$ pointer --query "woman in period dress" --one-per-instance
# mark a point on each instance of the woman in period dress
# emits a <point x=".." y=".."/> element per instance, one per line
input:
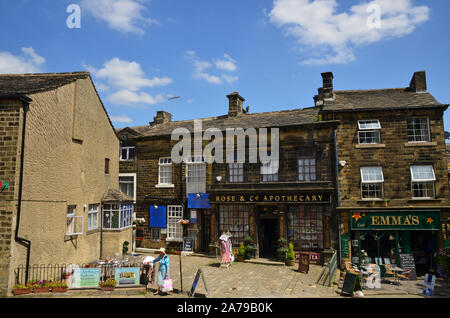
<point x="163" y="270"/>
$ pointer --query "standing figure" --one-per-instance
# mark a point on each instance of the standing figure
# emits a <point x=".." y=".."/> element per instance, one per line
<point x="225" y="249"/>
<point x="163" y="269"/>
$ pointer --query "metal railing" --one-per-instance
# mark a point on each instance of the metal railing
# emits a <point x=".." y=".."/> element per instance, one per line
<point x="61" y="272"/>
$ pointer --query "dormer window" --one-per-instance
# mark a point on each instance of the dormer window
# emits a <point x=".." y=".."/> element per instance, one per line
<point x="369" y="131"/>
<point x="127" y="153"/>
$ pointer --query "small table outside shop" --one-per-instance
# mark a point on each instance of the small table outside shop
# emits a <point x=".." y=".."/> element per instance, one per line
<point x="396" y="270"/>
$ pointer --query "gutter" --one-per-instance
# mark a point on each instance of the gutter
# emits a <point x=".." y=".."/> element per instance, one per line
<point x="338" y="201"/>
<point x="22" y="241"/>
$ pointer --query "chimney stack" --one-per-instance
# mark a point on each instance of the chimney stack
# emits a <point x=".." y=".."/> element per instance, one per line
<point x="326" y="91"/>
<point x="235" y="102"/>
<point x="161" y="117"/>
<point x="418" y="82"/>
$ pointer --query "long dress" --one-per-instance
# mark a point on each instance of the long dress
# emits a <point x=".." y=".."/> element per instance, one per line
<point x="225" y="251"/>
<point x="164" y="266"/>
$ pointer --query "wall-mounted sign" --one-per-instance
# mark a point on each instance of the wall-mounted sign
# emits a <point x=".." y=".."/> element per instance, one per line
<point x="158" y="216"/>
<point x="401" y="220"/>
<point x="193" y="218"/>
<point x="85" y="277"/>
<point x="345" y="247"/>
<point x="127" y="275"/>
<point x="272" y="198"/>
<point x="314" y="258"/>
<point x="198" y="201"/>
<point x="4" y="185"/>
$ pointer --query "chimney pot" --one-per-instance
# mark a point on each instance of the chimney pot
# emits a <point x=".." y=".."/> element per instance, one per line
<point x="161" y="117"/>
<point x="327" y="78"/>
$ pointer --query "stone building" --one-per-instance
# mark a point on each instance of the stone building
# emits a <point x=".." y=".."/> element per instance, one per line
<point x="393" y="185"/>
<point x="59" y="160"/>
<point x="247" y="199"/>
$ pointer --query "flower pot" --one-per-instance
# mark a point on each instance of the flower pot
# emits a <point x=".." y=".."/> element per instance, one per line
<point x="139" y="233"/>
<point x="290" y="262"/>
<point x="38" y="290"/>
<point x="59" y="289"/>
<point x="107" y="288"/>
<point x="19" y="291"/>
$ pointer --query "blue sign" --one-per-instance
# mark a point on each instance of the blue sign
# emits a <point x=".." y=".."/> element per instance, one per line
<point x="199" y="201"/>
<point x="158" y="217"/>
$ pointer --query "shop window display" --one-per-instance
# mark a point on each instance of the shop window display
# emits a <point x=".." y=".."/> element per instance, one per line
<point x="235" y="219"/>
<point x="305" y="227"/>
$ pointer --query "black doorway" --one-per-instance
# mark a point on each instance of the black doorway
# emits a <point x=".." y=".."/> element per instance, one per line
<point x="269" y="239"/>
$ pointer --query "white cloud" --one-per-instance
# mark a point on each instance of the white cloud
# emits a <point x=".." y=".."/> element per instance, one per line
<point x="127" y="80"/>
<point x="127" y="98"/>
<point x="28" y="62"/>
<point x="121" y="119"/>
<point x="316" y="24"/>
<point x="203" y="69"/>
<point x="126" y="16"/>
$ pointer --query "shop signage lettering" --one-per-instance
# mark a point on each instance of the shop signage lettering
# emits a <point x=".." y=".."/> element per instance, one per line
<point x="284" y="198"/>
<point x="418" y="220"/>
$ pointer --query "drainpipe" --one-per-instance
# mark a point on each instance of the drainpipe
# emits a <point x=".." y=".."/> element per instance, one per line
<point x="338" y="201"/>
<point x="22" y="241"/>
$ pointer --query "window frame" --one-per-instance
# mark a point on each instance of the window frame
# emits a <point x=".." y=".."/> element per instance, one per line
<point x="235" y="177"/>
<point x="193" y="163"/>
<point x="307" y="154"/>
<point x="121" y="211"/>
<point x="368" y="183"/>
<point x="90" y="213"/>
<point x="414" y="136"/>
<point x="73" y="216"/>
<point x="134" y="175"/>
<point x="268" y="177"/>
<point x="107" y="165"/>
<point x="422" y="182"/>
<point x="376" y="130"/>
<point x="174" y="215"/>
<point x="168" y="165"/>
<point x="127" y="148"/>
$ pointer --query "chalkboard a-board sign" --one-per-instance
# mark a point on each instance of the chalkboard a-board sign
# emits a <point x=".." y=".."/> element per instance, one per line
<point x="188" y="244"/>
<point x="303" y="263"/>
<point x="195" y="283"/>
<point x="407" y="263"/>
<point x="352" y="283"/>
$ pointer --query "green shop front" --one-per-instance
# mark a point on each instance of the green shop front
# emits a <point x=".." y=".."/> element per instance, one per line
<point x="381" y="236"/>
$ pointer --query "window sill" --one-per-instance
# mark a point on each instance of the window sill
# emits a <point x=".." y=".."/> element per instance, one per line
<point x="424" y="199"/>
<point x="165" y="186"/>
<point x="118" y="230"/>
<point x="126" y="160"/>
<point x="421" y="144"/>
<point x="174" y="240"/>
<point x="369" y="146"/>
<point x="89" y="232"/>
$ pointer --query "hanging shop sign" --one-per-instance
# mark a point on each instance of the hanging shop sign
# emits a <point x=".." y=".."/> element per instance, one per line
<point x="127" y="275"/>
<point x="272" y="198"/>
<point x="401" y="220"/>
<point x="198" y="201"/>
<point x="4" y="186"/>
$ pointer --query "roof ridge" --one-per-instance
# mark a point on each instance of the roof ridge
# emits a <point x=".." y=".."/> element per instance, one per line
<point x="47" y="74"/>
<point x="371" y="90"/>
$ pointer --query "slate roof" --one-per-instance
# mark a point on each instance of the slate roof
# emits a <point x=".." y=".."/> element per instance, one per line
<point x="255" y="120"/>
<point x="116" y="196"/>
<point x="14" y="84"/>
<point x="380" y="99"/>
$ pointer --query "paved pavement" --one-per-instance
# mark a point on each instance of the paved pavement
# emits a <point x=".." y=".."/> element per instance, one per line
<point x="249" y="280"/>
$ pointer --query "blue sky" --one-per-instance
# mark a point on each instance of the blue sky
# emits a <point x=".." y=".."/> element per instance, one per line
<point x="143" y="52"/>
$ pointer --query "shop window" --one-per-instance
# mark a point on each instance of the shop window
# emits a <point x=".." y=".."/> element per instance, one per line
<point x="93" y="217"/>
<point x="269" y="171"/>
<point x="369" y="132"/>
<point x="174" y="228"/>
<point x="372" y="181"/>
<point x="127" y="184"/>
<point x="422" y="182"/>
<point x="306" y="165"/>
<point x="165" y="171"/>
<point x="195" y="175"/>
<point x="236" y="172"/>
<point x="74" y="224"/>
<point x="117" y="216"/>
<point x="127" y="153"/>
<point x="235" y="219"/>
<point x="305" y="227"/>
<point x="418" y="130"/>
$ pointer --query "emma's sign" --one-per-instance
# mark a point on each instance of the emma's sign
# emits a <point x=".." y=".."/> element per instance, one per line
<point x="412" y="220"/>
<point x="273" y="198"/>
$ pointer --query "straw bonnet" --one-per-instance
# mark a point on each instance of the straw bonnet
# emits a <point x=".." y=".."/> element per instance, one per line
<point x="162" y="249"/>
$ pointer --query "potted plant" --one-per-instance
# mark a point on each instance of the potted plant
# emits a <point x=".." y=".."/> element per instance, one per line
<point x="249" y="248"/>
<point x="21" y="289"/>
<point x="108" y="285"/>
<point x="59" y="287"/>
<point x="42" y="286"/>
<point x="290" y="256"/>
<point x="242" y="253"/>
<point x="282" y="250"/>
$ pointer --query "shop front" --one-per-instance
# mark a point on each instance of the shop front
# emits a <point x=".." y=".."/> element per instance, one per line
<point x="381" y="236"/>
<point x="302" y="218"/>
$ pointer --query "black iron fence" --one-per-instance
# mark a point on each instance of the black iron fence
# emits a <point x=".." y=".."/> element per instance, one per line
<point x="63" y="272"/>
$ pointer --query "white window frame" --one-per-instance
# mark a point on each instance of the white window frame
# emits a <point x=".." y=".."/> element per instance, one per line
<point x="91" y="212"/>
<point x="428" y="127"/>
<point x="165" y="162"/>
<point x="71" y="218"/>
<point x="193" y="163"/>
<point x="423" y="181"/>
<point x="121" y="212"/>
<point x="236" y="172"/>
<point x="369" y="182"/>
<point x="134" y="182"/>
<point x="127" y="148"/>
<point x="373" y="129"/>
<point x="174" y="228"/>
